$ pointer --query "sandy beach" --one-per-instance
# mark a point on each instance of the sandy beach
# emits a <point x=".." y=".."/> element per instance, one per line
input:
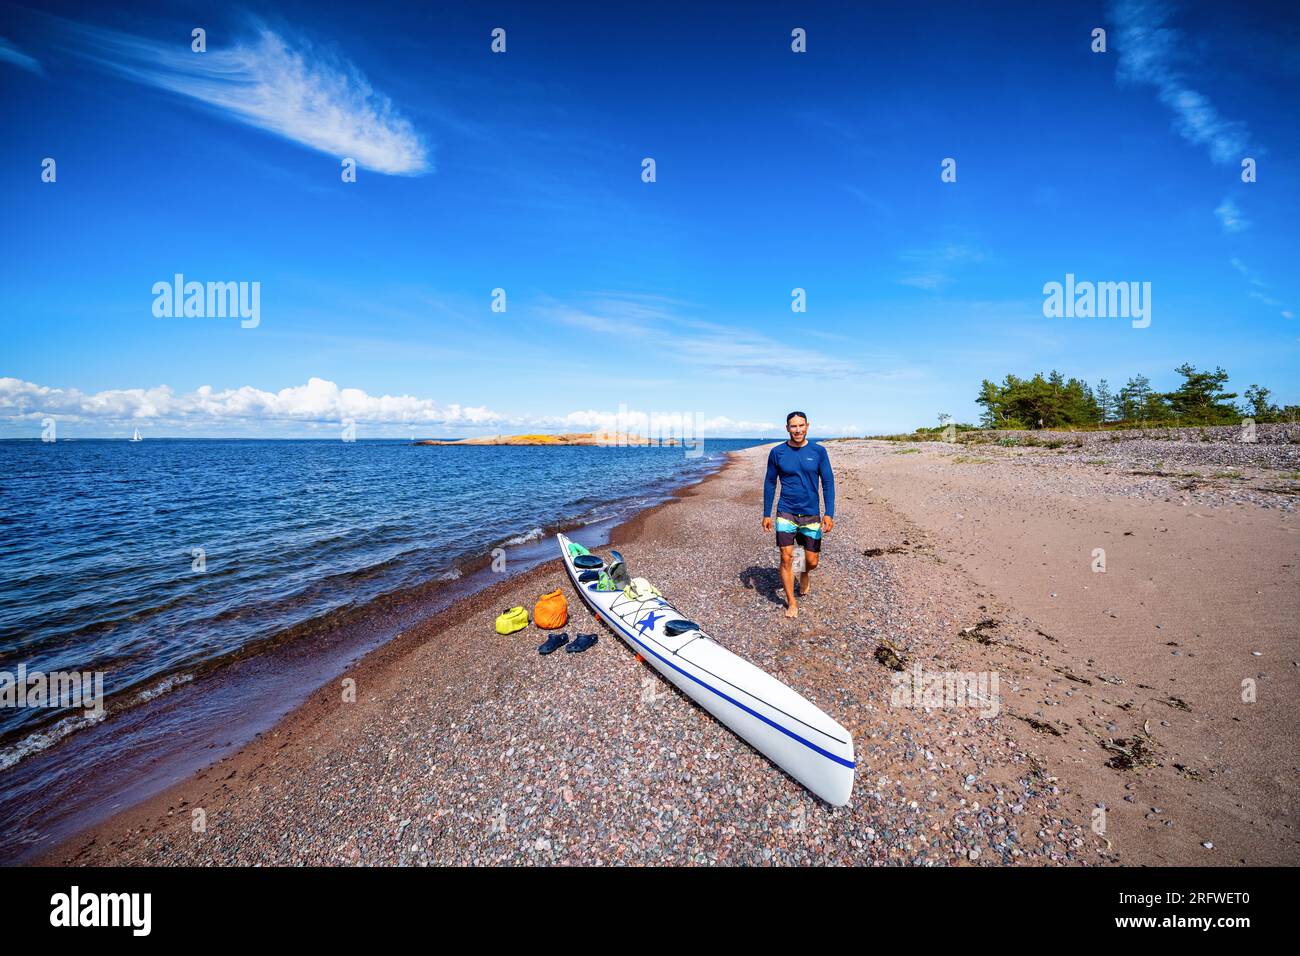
<point x="1120" y="736"/>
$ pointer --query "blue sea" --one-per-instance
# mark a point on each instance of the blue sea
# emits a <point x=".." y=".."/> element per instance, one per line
<point x="160" y="563"/>
<point x="152" y="559"/>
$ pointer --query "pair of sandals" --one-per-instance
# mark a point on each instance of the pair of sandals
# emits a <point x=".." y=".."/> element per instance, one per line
<point x="556" y="641"/>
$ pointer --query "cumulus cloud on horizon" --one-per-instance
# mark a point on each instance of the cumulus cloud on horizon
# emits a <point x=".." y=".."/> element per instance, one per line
<point x="318" y="401"/>
<point x="323" y="403"/>
<point x="280" y="84"/>
<point x="1149" y="53"/>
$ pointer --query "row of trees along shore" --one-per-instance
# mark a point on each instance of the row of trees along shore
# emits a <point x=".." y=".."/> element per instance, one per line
<point x="1055" y="402"/>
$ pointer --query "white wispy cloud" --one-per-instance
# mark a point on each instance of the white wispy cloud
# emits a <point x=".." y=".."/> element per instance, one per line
<point x="284" y="85"/>
<point x="930" y="281"/>
<point x="1246" y="271"/>
<point x="1230" y="216"/>
<point x="866" y="198"/>
<point x="595" y="319"/>
<point x="717" y="348"/>
<point x="654" y="423"/>
<point x="931" y="267"/>
<point x="1149" y="54"/>
<point x="658" y="322"/>
<point x="11" y="54"/>
<point x="1259" y="286"/>
<point x="625" y="313"/>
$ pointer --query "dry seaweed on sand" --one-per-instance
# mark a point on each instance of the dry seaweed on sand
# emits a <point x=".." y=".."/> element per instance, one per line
<point x="978" y="632"/>
<point x="891" y="656"/>
<point x="1070" y="675"/>
<point x="1042" y="726"/>
<point x="1131" y="753"/>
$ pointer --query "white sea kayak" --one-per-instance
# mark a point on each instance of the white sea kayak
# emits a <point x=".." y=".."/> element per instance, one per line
<point x="783" y="726"/>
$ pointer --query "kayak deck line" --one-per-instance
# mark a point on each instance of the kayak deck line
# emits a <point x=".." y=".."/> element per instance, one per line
<point x="678" y="653"/>
<point x="753" y="713"/>
<point x="787" y="761"/>
<point x="735" y="687"/>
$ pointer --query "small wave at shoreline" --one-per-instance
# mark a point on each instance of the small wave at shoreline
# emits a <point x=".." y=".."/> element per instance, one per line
<point x="534" y="535"/>
<point x="47" y="736"/>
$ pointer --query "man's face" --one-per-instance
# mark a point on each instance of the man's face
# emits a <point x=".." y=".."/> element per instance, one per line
<point x="798" y="429"/>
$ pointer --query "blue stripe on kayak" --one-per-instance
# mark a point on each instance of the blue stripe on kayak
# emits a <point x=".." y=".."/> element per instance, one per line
<point x="852" y="765"/>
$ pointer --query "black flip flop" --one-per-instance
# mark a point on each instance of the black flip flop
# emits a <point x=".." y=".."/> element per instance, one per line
<point x="581" y="643"/>
<point x="553" y="643"/>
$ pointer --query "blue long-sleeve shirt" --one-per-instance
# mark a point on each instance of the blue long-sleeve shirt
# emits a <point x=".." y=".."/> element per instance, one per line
<point x="799" y="470"/>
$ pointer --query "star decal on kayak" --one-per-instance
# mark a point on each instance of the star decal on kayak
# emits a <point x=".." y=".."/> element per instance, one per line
<point x="648" y="622"/>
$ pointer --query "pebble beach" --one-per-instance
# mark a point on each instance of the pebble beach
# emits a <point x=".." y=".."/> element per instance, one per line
<point x="1119" y="735"/>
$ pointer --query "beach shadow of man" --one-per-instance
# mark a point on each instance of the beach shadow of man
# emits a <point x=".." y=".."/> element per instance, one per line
<point x="766" y="581"/>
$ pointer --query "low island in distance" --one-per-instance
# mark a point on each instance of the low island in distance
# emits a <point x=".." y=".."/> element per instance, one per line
<point x="611" y="439"/>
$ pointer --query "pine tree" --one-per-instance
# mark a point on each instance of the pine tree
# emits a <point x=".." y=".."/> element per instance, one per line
<point x="1134" y="398"/>
<point x="1200" y="399"/>
<point x="1105" y="401"/>
<point x="1260" y="408"/>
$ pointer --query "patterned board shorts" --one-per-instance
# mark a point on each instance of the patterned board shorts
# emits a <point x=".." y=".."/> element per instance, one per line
<point x="803" y="530"/>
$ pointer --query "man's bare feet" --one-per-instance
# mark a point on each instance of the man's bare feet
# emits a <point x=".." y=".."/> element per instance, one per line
<point x="792" y="610"/>
<point x="805" y="584"/>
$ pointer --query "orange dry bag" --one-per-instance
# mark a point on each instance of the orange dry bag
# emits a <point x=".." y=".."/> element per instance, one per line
<point x="552" y="611"/>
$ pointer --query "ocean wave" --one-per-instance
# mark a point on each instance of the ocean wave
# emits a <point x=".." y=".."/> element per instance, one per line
<point x="160" y="688"/>
<point x="533" y="535"/>
<point x="47" y="737"/>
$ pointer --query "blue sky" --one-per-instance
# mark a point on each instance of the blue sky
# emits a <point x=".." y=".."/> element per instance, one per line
<point x="521" y="170"/>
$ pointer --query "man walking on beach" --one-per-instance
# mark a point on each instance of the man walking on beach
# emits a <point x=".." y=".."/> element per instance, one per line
<point x="799" y="464"/>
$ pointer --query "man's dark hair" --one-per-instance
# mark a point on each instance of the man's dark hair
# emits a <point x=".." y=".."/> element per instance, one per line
<point x="795" y="415"/>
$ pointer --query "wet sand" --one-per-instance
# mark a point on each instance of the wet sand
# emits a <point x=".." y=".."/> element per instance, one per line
<point x="464" y="746"/>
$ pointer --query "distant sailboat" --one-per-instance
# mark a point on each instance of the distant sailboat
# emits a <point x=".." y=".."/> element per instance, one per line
<point x="136" y="436"/>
